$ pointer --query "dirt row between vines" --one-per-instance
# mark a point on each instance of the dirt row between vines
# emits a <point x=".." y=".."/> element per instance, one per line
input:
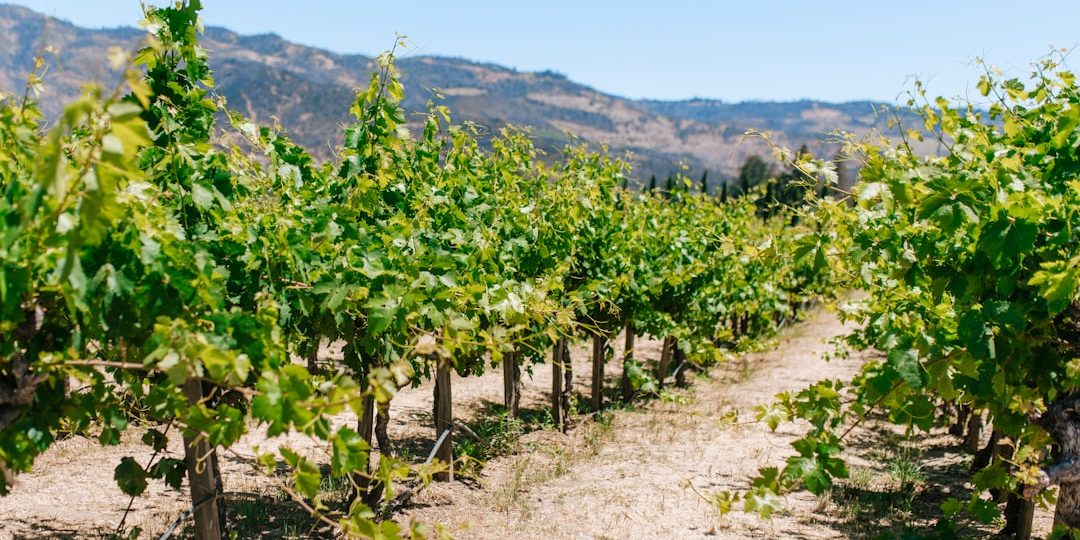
<point x="641" y="472"/>
<point x="644" y="474"/>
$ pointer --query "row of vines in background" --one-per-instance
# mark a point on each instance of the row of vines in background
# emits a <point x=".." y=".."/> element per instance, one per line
<point x="970" y="263"/>
<point x="153" y="271"/>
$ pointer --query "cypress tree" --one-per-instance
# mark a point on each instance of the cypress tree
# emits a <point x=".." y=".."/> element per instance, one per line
<point x="705" y="182"/>
<point x="754" y="171"/>
<point x="652" y="184"/>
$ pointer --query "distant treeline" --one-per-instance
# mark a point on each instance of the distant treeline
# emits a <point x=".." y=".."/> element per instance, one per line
<point x="771" y="183"/>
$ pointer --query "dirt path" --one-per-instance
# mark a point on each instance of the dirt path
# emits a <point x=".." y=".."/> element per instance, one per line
<point x="632" y="478"/>
<point x="633" y="474"/>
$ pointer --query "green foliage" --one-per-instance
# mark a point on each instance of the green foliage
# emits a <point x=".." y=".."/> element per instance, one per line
<point x="753" y="172"/>
<point x="139" y="252"/>
<point x="969" y="262"/>
<point x="130" y="477"/>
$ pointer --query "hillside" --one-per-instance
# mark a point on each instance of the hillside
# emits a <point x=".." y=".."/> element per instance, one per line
<point x="309" y="90"/>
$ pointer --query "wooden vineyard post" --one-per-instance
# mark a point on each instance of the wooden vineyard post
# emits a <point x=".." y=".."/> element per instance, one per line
<point x="974" y="432"/>
<point x="365" y="424"/>
<point x="599" y="351"/>
<point x="1025" y="519"/>
<point x="1019" y="517"/>
<point x="444" y="417"/>
<point x="202" y="476"/>
<point x="219" y="488"/>
<point x="628" y="358"/>
<point x="511" y="383"/>
<point x="665" y="362"/>
<point x="680" y="366"/>
<point x="556" y="385"/>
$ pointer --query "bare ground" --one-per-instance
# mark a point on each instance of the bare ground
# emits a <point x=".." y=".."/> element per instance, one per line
<point x="633" y="473"/>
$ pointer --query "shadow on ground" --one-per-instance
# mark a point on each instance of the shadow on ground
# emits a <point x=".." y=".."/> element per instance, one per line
<point x="898" y="485"/>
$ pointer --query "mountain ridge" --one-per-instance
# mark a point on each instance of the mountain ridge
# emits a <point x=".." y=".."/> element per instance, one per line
<point x="309" y="90"/>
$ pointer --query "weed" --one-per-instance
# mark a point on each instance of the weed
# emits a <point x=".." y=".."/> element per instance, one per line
<point x="860" y="478"/>
<point x="508" y="495"/>
<point x="333" y="489"/>
<point x="906" y="468"/>
<point x="598" y="431"/>
<point x="488" y="437"/>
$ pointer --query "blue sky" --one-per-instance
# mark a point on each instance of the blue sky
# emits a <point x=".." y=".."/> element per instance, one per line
<point x="672" y="49"/>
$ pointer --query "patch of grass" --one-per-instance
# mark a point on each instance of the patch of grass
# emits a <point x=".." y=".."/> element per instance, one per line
<point x="508" y="495"/>
<point x="860" y="477"/>
<point x="335" y="491"/>
<point x="270" y="515"/>
<point x="906" y="469"/>
<point x="597" y="432"/>
<point x="490" y="436"/>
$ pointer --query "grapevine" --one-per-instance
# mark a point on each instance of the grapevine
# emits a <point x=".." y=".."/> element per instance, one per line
<point x="178" y="275"/>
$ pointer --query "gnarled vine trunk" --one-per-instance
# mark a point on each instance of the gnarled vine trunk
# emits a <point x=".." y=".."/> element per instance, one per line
<point x="382" y="421"/>
<point x="18" y="383"/>
<point x="204" y="478"/>
<point x="444" y="418"/>
<point x="599" y="355"/>
<point x="368" y="490"/>
<point x="1062" y="421"/>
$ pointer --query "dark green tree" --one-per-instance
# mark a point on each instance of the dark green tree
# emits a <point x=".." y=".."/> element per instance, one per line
<point x="787" y="189"/>
<point x="652" y="184"/>
<point x="753" y="172"/>
<point x="705" y="182"/>
<point x="669" y="186"/>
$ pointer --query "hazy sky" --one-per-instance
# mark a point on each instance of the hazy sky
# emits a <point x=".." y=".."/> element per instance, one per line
<point x="671" y="49"/>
